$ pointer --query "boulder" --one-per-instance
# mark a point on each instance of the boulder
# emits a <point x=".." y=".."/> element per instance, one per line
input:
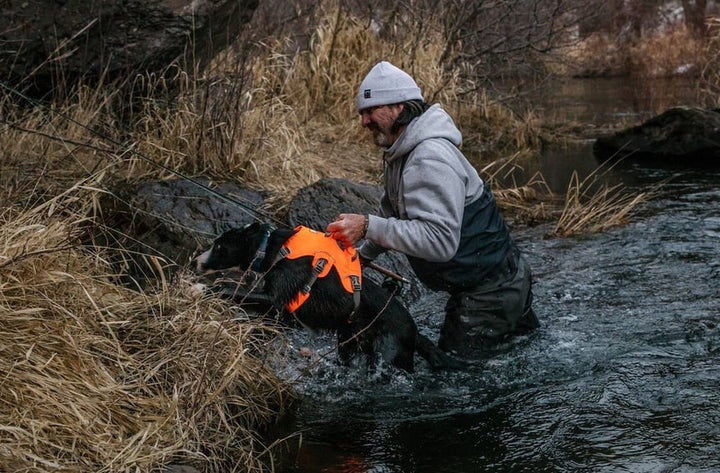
<point x="321" y="202"/>
<point x="164" y="224"/>
<point x="42" y="40"/>
<point x="679" y="136"/>
<point x="189" y="216"/>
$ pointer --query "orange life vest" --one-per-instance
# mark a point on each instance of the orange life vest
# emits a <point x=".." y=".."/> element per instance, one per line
<point x="327" y="253"/>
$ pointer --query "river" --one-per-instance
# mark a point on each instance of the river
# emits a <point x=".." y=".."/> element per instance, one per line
<point x="623" y="375"/>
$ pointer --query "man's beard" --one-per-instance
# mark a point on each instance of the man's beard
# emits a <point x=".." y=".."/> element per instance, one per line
<point x="380" y="138"/>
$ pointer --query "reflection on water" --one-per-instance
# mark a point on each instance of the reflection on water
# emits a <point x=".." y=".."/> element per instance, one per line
<point x="606" y="102"/>
<point x="623" y="375"/>
<point x="594" y="106"/>
<point x="556" y="165"/>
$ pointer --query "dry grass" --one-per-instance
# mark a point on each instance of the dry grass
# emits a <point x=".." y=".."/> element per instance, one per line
<point x="665" y="54"/>
<point x="495" y="130"/>
<point x="528" y="204"/>
<point x="97" y="377"/>
<point x="662" y="53"/>
<point x="710" y="69"/>
<point x="284" y="117"/>
<point x="592" y="206"/>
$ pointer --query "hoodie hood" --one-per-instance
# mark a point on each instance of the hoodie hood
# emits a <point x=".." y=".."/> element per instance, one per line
<point x="434" y="123"/>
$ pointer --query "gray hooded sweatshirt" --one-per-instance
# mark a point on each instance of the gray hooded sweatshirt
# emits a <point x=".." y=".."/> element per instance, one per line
<point x="436" y="209"/>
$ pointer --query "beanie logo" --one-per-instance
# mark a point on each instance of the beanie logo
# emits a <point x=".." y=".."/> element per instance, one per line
<point x="367" y="93"/>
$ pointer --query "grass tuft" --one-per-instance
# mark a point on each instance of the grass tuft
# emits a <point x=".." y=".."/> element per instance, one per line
<point x="592" y="206"/>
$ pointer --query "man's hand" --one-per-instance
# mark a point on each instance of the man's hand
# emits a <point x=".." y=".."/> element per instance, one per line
<point x="348" y="228"/>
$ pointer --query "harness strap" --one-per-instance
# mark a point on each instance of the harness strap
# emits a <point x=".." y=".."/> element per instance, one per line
<point x="304" y="293"/>
<point x="260" y="254"/>
<point x="284" y="251"/>
<point x="357" y="286"/>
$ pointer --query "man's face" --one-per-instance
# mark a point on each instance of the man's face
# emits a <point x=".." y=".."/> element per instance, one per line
<point x="379" y="121"/>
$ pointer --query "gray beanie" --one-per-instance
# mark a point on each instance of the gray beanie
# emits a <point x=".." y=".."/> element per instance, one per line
<point x="385" y="84"/>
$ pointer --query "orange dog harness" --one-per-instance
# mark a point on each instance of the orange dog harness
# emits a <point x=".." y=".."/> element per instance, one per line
<point x="327" y="253"/>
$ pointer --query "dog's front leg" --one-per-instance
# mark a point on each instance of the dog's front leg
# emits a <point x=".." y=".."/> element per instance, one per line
<point x="348" y="345"/>
<point x="252" y="297"/>
<point x="245" y="295"/>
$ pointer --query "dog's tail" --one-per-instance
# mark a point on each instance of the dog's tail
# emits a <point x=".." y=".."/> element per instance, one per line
<point x="438" y="359"/>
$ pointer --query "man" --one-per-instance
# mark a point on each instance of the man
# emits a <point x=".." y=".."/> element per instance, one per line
<point x="436" y="210"/>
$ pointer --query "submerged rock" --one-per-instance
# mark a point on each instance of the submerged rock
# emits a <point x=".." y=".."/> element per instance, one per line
<point x="685" y="136"/>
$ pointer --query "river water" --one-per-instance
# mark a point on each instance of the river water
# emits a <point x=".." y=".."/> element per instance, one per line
<point x="623" y="375"/>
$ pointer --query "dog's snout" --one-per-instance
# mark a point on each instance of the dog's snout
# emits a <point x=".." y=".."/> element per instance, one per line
<point x="201" y="261"/>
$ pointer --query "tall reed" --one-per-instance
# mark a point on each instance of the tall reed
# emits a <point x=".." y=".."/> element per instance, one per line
<point x="592" y="206"/>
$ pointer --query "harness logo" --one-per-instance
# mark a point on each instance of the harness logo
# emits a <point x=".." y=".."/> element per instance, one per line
<point x="367" y="93"/>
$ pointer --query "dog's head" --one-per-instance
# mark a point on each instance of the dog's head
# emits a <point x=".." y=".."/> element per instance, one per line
<point x="237" y="247"/>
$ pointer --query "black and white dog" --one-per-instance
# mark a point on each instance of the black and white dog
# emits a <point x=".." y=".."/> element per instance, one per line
<point x="378" y="325"/>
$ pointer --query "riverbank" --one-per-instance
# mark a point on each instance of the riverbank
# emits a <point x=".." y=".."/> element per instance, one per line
<point x="101" y="377"/>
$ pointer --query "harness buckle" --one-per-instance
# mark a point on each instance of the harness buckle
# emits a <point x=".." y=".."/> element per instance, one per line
<point x="355" y="280"/>
<point x="320" y="265"/>
<point x="317" y="269"/>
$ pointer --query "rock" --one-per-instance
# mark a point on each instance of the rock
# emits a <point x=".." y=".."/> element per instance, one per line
<point x="170" y="221"/>
<point x="320" y="203"/>
<point x="679" y="136"/>
<point x="41" y="40"/>
<point x="189" y="216"/>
